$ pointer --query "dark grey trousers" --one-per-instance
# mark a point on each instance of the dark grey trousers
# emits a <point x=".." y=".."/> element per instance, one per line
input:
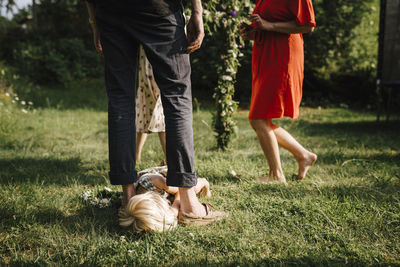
<point x="164" y="41"/>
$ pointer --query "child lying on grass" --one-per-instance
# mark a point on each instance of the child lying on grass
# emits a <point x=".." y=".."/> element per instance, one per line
<point x="151" y="209"/>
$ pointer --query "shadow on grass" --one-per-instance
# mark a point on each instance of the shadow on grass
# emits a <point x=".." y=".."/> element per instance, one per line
<point x="379" y="190"/>
<point x="49" y="171"/>
<point x="311" y="260"/>
<point x="353" y="129"/>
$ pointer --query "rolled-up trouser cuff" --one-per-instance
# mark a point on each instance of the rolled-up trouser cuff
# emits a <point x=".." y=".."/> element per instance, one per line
<point x="123" y="178"/>
<point x="181" y="179"/>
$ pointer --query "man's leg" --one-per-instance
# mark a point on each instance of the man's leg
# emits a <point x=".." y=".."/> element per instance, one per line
<point x="120" y="55"/>
<point x="165" y="43"/>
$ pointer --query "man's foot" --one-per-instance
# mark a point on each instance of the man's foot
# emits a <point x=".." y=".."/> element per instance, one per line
<point x="305" y="164"/>
<point x="128" y="191"/>
<point x="270" y="179"/>
<point x="190" y="203"/>
<point x="211" y="215"/>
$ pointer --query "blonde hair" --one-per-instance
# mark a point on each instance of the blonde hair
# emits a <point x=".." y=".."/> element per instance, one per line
<point x="148" y="212"/>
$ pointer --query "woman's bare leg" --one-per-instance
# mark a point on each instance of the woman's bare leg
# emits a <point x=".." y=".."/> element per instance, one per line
<point x="161" y="136"/>
<point x="269" y="145"/>
<point x="304" y="157"/>
<point x="140" y="139"/>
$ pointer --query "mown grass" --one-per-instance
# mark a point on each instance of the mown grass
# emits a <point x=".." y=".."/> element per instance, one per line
<point x="347" y="211"/>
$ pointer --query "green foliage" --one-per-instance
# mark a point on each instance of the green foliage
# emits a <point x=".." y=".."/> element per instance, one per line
<point x="221" y="21"/>
<point x="57" y="61"/>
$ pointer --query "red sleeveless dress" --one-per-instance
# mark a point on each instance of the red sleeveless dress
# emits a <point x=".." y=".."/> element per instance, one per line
<point x="278" y="60"/>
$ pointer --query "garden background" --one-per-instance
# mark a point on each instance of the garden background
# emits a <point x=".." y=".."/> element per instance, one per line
<point x="53" y="148"/>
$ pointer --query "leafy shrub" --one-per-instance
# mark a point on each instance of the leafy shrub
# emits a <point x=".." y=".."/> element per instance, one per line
<point x="58" y="61"/>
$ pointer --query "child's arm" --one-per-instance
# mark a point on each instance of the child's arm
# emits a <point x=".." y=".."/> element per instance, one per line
<point x="159" y="181"/>
<point x="203" y="187"/>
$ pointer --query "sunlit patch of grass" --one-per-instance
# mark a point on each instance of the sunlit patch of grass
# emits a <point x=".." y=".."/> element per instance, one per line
<point x="345" y="211"/>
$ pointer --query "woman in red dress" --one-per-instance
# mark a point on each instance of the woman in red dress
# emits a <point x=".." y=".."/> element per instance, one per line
<point x="277" y="77"/>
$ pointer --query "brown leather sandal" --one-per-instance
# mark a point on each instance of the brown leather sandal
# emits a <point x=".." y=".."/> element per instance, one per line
<point x="212" y="215"/>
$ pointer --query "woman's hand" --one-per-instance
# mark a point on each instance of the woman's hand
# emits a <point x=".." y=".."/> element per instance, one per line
<point x="245" y="33"/>
<point x="263" y="24"/>
<point x="96" y="39"/>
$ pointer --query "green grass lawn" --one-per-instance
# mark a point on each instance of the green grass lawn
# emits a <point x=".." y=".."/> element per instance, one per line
<point x="347" y="211"/>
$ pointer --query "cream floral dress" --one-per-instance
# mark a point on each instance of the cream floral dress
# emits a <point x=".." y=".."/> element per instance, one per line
<point x="149" y="110"/>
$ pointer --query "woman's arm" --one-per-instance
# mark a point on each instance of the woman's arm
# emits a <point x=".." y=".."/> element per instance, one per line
<point x="282" y="27"/>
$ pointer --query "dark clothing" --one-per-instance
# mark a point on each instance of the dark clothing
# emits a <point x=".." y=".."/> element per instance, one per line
<point x="132" y="7"/>
<point x="164" y="41"/>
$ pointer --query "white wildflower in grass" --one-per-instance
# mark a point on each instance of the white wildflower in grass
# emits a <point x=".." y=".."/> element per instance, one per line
<point x="30" y="103"/>
<point x="3" y="72"/>
<point x="122" y="238"/>
<point x="16" y="98"/>
<point x="223" y="91"/>
<point x="23" y="103"/>
<point x="234" y="174"/>
<point x="223" y="113"/>
<point x="105" y="202"/>
<point x="24" y="111"/>
<point x="13" y="101"/>
<point x="240" y="55"/>
<point x="7" y="94"/>
<point x="85" y="196"/>
<point x="95" y="201"/>
<point x="191" y="235"/>
<point x="107" y="189"/>
<point x="130" y="251"/>
<point x="220" y="101"/>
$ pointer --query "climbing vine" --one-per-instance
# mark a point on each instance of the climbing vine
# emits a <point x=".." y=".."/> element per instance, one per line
<point x="224" y="18"/>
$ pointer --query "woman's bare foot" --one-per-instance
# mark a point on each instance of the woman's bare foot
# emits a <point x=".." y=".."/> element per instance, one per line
<point x="305" y="164"/>
<point x="270" y="179"/>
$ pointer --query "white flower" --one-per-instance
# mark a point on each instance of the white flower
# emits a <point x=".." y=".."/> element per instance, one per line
<point x="95" y="201"/>
<point x="23" y="102"/>
<point x="122" y="238"/>
<point x="220" y="101"/>
<point x="16" y="98"/>
<point x="223" y="113"/>
<point x="107" y="189"/>
<point x="230" y="70"/>
<point x="240" y="55"/>
<point x="3" y="72"/>
<point x="24" y="111"/>
<point x="130" y="251"/>
<point x="214" y="95"/>
<point x="223" y="91"/>
<point x="13" y="101"/>
<point x="234" y="174"/>
<point x="7" y="94"/>
<point x="30" y="103"/>
<point x="191" y="235"/>
<point x="104" y="203"/>
<point x="227" y="78"/>
<point x="85" y="196"/>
